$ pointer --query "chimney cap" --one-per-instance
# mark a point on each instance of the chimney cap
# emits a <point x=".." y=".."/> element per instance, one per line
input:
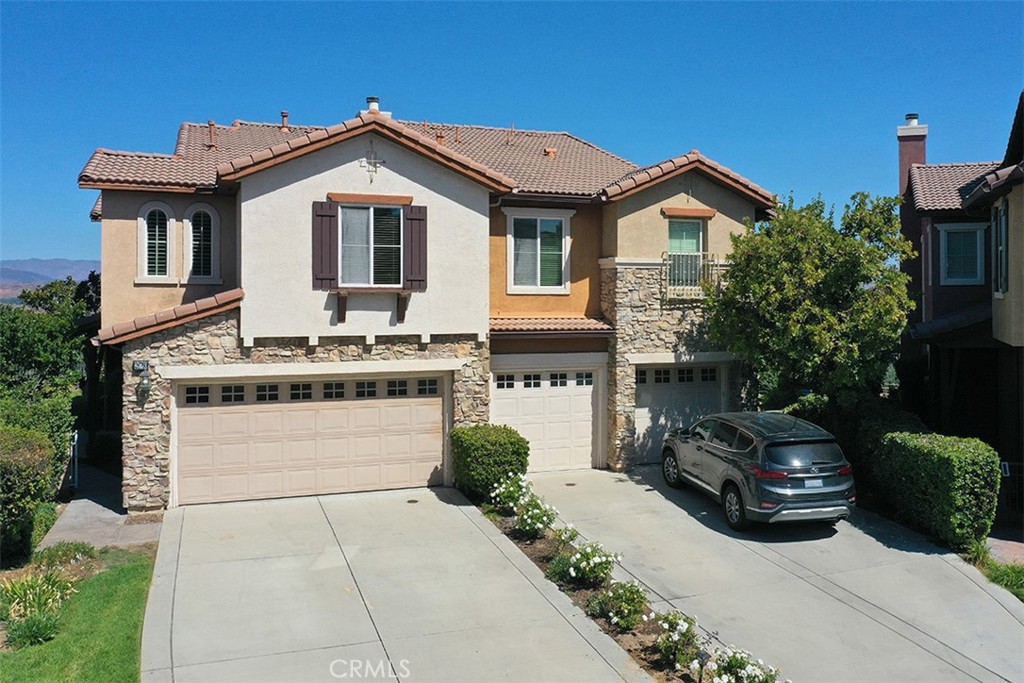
<point x="912" y="118"/>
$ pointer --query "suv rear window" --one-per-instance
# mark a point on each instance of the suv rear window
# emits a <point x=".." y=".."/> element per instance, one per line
<point x="804" y="454"/>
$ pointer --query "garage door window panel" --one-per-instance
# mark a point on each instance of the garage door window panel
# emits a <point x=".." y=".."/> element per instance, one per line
<point x="584" y="379"/>
<point x="267" y="393"/>
<point x="398" y="387"/>
<point x="232" y="393"/>
<point x="300" y="392"/>
<point x="709" y="374"/>
<point x="426" y="387"/>
<point x="506" y="381"/>
<point x="531" y="381"/>
<point x="197" y="395"/>
<point x="366" y="389"/>
<point x="334" y="390"/>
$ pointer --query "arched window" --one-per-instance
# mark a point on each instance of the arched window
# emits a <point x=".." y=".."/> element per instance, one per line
<point x="156" y="240"/>
<point x="202" y="231"/>
<point x="156" y="243"/>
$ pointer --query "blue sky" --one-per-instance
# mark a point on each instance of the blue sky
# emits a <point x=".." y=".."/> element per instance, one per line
<point x="801" y="98"/>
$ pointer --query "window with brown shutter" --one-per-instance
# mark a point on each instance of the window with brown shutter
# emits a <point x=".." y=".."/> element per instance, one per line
<point x="415" y="254"/>
<point x="325" y="245"/>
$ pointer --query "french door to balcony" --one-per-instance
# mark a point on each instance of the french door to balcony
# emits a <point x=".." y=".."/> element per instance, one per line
<point x="685" y="246"/>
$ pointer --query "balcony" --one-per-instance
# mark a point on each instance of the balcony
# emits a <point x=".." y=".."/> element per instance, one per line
<point x="684" y="274"/>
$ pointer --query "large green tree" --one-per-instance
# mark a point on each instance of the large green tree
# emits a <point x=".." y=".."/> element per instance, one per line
<point x="811" y="305"/>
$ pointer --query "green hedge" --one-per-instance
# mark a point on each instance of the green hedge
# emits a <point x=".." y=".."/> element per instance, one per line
<point x="25" y="481"/>
<point x="484" y="454"/>
<point x="52" y="416"/>
<point x="944" y="485"/>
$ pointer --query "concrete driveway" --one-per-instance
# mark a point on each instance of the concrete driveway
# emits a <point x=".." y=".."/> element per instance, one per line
<point x="866" y="601"/>
<point x="400" y="585"/>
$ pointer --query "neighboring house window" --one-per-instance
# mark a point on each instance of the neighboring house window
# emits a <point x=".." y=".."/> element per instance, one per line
<point x="426" y="387"/>
<point x="538" y="250"/>
<point x="962" y="253"/>
<point x="685" y="244"/>
<point x="202" y="230"/>
<point x="1000" y="248"/>
<point x="156" y="242"/>
<point x="371" y="246"/>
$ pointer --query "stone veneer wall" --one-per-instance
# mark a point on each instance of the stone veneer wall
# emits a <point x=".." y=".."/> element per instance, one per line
<point x="146" y="435"/>
<point x="632" y="299"/>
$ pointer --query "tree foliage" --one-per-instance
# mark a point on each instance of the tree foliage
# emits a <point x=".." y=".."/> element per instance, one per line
<point x="813" y="306"/>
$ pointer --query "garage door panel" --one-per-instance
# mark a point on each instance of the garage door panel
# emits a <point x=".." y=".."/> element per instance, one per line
<point x="239" y="452"/>
<point x="670" y="405"/>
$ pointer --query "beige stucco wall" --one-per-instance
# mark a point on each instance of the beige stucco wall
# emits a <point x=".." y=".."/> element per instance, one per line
<point x="584" y="297"/>
<point x="1008" y="310"/>
<point x="642" y="232"/>
<point x="276" y="246"/>
<point x="124" y="296"/>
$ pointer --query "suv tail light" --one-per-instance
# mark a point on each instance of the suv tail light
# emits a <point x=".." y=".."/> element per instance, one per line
<point x="845" y="471"/>
<point x="766" y="474"/>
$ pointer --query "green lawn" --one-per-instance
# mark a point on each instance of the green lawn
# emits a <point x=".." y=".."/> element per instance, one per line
<point x="1009" y="576"/>
<point x="100" y="628"/>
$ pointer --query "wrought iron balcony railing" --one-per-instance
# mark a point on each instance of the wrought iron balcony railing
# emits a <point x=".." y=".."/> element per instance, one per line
<point x="683" y="274"/>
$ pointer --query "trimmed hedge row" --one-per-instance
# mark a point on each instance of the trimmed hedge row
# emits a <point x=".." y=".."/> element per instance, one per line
<point x="483" y="455"/>
<point x="945" y="485"/>
<point x="52" y="416"/>
<point x="25" y="480"/>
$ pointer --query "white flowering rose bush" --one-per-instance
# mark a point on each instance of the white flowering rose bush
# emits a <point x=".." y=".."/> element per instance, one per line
<point x="679" y="641"/>
<point x="622" y="603"/>
<point x="732" y="665"/>
<point x="510" y="492"/>
<point x="589" y="565"/>
<point x="564" y="537"/>
<point x="534" y="516"/>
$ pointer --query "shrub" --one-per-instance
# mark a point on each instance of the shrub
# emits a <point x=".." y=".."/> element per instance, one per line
<point x="34" y="593"/>
<point x="43" y="519"/>
<point x="977" y="552"/>
<point x="485" y="454"/>
<point x="729" y="664"/>
<point x="587" y="566"/>
<point x="944" y="485"/>
<point x="679" y="642"/>
<point x="810" y="407"/>
<point x="51" y="416"/>
<point x="510" y="492"/>
<point x="622" y="604"/>
<point x="33" y="630"/>
<point x="64" y="554"/>
<point x="564" y="537"/>
<point x="25" y="481"/>
<point x="534" y="516"/>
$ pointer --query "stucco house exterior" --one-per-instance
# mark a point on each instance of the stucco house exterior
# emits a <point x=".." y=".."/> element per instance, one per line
<point x="300" y="310"/>
<point x="964" y="354"/>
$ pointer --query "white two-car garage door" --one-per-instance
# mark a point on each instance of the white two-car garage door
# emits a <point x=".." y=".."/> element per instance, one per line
<point x="276" y="439"/>
<point x="671" y="397"/>
<point x="554" y="410"/>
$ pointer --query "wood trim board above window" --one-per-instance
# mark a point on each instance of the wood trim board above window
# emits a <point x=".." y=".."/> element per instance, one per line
<point x="369" y="199"/>
<point x="688" y="212"/>
<point x="537" y="250"/>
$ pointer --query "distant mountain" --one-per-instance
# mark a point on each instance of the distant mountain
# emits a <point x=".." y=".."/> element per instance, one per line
<point x="19" y="274"/>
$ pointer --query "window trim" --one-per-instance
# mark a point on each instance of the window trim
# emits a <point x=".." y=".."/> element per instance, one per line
<point x="401" y="247"/>
<point x="142" y="239"/>
<point x="214" y="277"/>
<point x="702" y="226"/>
<point x="565" y="215"/>
<point x="979" y="230"/>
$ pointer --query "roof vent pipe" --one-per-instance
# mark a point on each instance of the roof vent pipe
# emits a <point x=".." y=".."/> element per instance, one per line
<point x="912" y="119"/>
<point x="440" y="138"/>
<point x="373" y="104"/>
<point x="284" y="121"/>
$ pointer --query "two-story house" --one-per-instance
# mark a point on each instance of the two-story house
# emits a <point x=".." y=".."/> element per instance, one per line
<point x="301" y="310"/>
<point x="964" y="356"/>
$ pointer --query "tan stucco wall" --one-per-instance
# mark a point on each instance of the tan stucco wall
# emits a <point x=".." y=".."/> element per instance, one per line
<point x="1008" y="311"/>
<point x="124" y="298"/>
<point x="584" y="297"/>
<point x="642" y="232"/>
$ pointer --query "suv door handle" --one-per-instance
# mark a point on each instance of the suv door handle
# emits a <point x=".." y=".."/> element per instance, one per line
<point x="699" y="448"/>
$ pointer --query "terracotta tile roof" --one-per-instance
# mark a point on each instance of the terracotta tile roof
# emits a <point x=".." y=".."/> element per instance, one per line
<point x="942" y="187"/>
<point x="170" y="317"/>
<point x="510" y="325"/>
<point x="993" y="183"/>
<point x="640" y="177"/>
<point x="96" y="212"/>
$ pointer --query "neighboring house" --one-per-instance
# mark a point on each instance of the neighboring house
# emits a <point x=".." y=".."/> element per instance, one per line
<point x="302" y="310"/>
<point x="964" y="357"/>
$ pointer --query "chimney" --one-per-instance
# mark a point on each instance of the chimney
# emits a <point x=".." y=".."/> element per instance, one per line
<point x="284" y="121"/>
<point x="373" y="104"/>
<point x="911" y="147"/>
<point x="212" y="142"/>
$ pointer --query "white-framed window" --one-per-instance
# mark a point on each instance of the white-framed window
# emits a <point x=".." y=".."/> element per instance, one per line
<point x="685" y="247"/>
<point x="538" y="243"/>
<point x="202" y="243"/>
<point x="531" y="381"/>
<point x="370" y="248"/>
<point x="506" y="381"/>
<point x="961" y="253"/>
<point x="1000" y="247"/>
<point x="559" y="379"/>
<point x="156" y="239"/>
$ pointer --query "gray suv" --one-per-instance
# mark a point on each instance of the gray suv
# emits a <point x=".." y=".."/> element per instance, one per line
<point x="762" y="467"/>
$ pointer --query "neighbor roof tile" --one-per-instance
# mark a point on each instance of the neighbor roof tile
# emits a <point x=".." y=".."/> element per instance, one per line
<point x="943" y="187"/>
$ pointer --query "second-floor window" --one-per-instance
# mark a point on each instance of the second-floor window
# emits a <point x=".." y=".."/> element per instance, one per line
<point x="202" y="232"/>
<point x="961" y="253"/>
<point x="156" y="243"/>
<point x="685" y="244"/>
<point x="538" y="250"/>
<point x="157" y="236"/>
<point x="1000" y="248"/>
<point x="371" y="245"/>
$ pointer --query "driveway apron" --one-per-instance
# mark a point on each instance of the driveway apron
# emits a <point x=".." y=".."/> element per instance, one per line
<point x="865" y="601"/>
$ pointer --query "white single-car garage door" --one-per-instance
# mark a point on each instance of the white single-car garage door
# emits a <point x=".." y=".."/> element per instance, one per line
<point x="554" y="410"/>
<point x="277" y="439"/>
<point x="672" y="397"/>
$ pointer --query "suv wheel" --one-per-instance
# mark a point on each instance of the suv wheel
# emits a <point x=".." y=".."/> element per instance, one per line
<point x="670" y="468"/>
<point x="732" y="504"/>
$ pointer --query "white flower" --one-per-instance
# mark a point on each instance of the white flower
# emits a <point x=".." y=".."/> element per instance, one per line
<point x="572" y="572"/>
<point x="695" y="666"/>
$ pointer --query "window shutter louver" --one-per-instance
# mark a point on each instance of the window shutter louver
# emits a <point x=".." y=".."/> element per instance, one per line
<point x="325" y="245"/>
<point x="415" y="248"/>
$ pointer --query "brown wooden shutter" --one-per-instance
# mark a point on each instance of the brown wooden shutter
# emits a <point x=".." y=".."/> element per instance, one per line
<point x="325" y="245"/>
<point x="415" y="248"/>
